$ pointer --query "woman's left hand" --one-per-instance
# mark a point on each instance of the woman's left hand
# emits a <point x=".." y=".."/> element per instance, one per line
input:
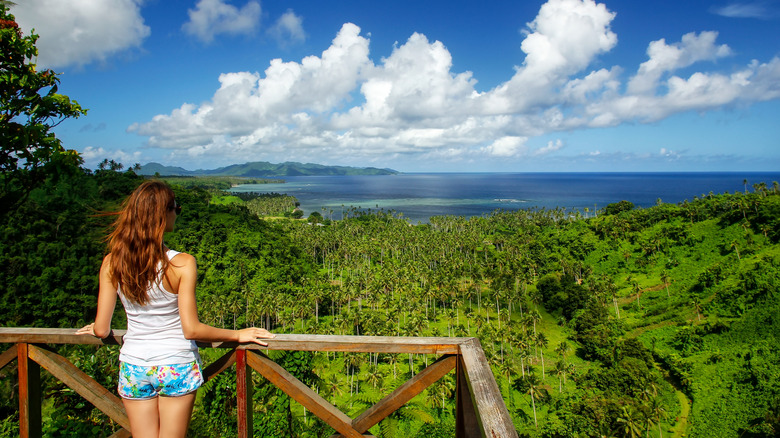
<point x="87" y="330"/>
<point x="254" y="334"/>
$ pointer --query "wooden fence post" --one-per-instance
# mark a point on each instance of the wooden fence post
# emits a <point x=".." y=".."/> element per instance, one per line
<point x="29" y="394"/>
<point x="466" y="425"/>
<point x="244" y="394"/>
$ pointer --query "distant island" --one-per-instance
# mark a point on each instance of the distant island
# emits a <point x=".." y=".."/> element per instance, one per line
<point x="263" y="169"/>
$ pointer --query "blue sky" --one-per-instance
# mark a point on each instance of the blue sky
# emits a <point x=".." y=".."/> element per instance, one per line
<point x="509" y="86"/>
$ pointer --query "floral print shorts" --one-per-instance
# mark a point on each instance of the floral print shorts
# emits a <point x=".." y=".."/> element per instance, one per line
<point x="142" y="382"/>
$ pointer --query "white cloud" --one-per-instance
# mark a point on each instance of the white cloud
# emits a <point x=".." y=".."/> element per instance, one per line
<point x="551" y="147"/>
<point x="666" y="58"/>
<point x="413" y="84"/>
<point x="759" y="9"/>
<point x="563" y="40"/>
<point x="248" y="105"/>
<point x="214" y="17"/>
<point x="412" y="103"/>
<point x="566" y="36"/>
<point x="699" y="92"/>
<point x="288" y="29"/>
<point x="507" y="146"/>
<point x="78" y="32"/>
<point x="94" y="155"/>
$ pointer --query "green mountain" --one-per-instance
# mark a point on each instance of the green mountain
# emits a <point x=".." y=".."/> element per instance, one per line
<point x="263" y="169"/>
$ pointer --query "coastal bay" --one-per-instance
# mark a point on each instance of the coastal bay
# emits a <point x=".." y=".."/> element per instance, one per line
<point x="422" y="195"/>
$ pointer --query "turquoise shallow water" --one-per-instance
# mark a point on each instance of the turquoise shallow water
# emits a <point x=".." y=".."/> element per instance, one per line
<point x="422" y="195"/>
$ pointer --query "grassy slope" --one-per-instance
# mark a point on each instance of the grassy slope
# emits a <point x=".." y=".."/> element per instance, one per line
<point x="723" y="402"/>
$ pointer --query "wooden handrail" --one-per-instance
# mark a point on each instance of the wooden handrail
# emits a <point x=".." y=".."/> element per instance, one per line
<point x="480" y="409"/>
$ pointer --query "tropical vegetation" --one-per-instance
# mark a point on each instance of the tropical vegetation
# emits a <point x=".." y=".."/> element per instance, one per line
<point x="622" y="322"/>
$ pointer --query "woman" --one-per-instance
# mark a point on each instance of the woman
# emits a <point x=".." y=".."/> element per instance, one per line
<point x="159" y="365"/>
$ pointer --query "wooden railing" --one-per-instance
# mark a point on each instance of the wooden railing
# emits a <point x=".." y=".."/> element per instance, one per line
<point x="480" y="412"/>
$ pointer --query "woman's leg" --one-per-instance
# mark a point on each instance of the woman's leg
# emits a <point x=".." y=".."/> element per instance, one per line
<point x="144" y="417"/>
<point x="175" y="413"/>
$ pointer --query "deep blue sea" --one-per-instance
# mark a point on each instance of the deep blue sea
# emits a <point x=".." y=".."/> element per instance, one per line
<point x="422" y="195"/>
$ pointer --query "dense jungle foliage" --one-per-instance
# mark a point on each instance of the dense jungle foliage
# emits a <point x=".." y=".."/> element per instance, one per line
<point x="657" y="321"/>
<point x="631" y="322"/>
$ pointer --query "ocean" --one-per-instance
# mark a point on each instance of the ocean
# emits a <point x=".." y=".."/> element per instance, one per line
<point x="422" y="195"/>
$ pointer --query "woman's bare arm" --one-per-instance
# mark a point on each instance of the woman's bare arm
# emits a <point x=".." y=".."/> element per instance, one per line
<point x="185" y="273"/>
<point x="105" y="305"/>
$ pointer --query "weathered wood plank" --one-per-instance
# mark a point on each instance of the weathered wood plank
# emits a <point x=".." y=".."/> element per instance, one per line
<point x="219" y="365"/>
<point x="244" y="395"/>
<point x="356" y="344"/>
<point x="80" y="382"/>
<point x="364" y="344"/>
<point x="7" y="357"/>
<point x="466" y="424"/>
<point x="493" y="416"/>
<point x="338" y="435"/>
<point x="303" y="394"/>
<point x="121" y="433"/>
<point x="480" y="406"/>
<point x="404" y="393"/>
<point x="34" y="335"/>
<point x="30" y="425"/>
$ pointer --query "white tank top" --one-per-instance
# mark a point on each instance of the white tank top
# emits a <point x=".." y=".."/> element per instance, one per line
<point x="154" y="334"/>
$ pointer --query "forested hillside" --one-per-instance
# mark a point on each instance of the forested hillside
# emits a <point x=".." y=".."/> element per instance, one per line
<point x="657" y="321"/>
<point x="653" y="322"/>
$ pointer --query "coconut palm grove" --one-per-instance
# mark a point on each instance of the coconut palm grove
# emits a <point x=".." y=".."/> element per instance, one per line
<point x="619" y="322"/>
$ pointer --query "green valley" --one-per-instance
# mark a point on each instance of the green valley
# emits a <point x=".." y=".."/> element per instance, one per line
<point x="627" y="322"/>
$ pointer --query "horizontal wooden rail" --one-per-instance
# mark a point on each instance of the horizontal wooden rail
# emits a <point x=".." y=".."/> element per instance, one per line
<point x="480" y="410"/>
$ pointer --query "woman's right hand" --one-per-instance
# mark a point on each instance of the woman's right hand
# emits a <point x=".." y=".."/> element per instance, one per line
<point x="88" y="329"/>
<point x="254" y="334"/>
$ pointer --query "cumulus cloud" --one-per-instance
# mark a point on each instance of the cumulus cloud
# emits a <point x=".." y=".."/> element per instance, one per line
<point x="507" y="146"/>
<point x="288" y="29"/>
<point x="94" y="155"/>
<point x="412" y="103"/>
<point x="565" y="38"/>
<point x="258" y="109"/>
<point x="214" y="17"/>
<point x="669" y="57"/>
<point x="552" y="146"/>
<point x="78" y="32"/>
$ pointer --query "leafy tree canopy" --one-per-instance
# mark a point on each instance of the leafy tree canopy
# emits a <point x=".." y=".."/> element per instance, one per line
<point x="29" y="108"/>
<point x="619" y="207"/>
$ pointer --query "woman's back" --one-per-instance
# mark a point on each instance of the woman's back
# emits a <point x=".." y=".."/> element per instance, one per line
<point x="154" y="332"/>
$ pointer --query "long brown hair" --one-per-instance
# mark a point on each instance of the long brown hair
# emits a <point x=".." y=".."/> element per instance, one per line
<point x="136" y="242"/>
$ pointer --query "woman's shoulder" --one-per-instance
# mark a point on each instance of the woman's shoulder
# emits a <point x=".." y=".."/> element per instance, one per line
<point x="181" y="259"/>
<point x="106" y="261"/>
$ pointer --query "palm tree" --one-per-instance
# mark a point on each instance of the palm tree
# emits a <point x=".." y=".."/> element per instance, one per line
<point x="612" y="290"/>
<point x="734" y="245"/>
<point x="507" y="368"/>
<point x="439" y="392"/>
<point x="534" y="389"/>
<point x="541" y="341"/>
<point x="696" y="303"/>
<point x="560" y="371"/>
<point x="352" y="362"/>
<point x="658" y="413"/>
<point x="535" y="317"/>
<point x="562" y="349"/>
<point x="332" y="385"/>
<point x="631" y="423"/>
<point x="666" y="279"/>
<point x="374" y="376"/>
<point x="638" y="291"/>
